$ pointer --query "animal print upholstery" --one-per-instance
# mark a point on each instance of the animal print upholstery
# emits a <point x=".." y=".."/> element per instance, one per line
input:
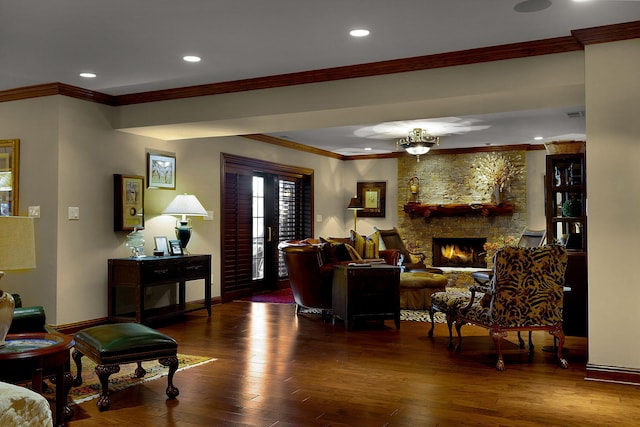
<point x="527" y="288"/>
<point x="526" y="293"/>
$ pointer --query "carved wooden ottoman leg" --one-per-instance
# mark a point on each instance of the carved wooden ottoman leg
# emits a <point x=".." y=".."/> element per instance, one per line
<point x="103" y="373"/>
<point x="172" y="363"/>
<point x="77" y="357"/>
<point x="140" y="371"/>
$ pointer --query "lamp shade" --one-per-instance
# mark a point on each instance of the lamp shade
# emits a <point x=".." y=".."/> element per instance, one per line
<point x="355" y="204"/>
<point x="17" y="243"/>
<point x="185" y="205"/>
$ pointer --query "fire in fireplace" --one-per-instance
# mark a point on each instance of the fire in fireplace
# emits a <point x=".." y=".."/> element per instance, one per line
<point x="459" y="252"/>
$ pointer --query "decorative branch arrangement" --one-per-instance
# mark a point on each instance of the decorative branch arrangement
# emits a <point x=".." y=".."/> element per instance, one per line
<point x="494" y="171"/>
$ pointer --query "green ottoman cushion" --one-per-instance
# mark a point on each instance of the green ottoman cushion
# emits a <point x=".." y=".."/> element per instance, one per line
<point x="111" y="345"/>
<point x="123" y="343"/>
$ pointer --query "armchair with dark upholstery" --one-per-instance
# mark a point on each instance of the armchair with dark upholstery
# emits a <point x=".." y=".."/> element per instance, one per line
<point x="525" y="294"/>
<point x="411" y="261"/>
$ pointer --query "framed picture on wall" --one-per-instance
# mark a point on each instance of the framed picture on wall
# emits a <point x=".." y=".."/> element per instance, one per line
<point x="128" y="202"/>
<point x="161" y="171"/>
<point x="373" y="197"/>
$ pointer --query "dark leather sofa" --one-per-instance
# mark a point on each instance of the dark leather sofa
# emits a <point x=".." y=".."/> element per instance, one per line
<point x="310" y="267"/>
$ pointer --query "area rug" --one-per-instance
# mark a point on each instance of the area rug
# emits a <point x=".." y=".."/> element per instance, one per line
<point x="90" y="388"/>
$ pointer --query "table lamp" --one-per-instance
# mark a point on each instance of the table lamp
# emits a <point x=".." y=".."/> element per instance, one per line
<point x="17" y="252"/>
<point x="185" y="205"/>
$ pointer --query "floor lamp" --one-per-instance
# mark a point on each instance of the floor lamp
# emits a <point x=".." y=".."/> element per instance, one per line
<point x="355" y="205"/>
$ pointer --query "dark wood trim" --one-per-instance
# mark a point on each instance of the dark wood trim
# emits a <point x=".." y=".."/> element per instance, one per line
<point x="418" y="210"/>
<point x="576" y="41"/>
<point x="49" y="89"/>
<point x="417" y="63"/>
<point x="72" y="328"/>
<point x="227" y="160"/>
<point x="607" y="33"/>
<point x="292" y="145"/>
<point x="486" y="149"/>
<point x="613" y="374"/>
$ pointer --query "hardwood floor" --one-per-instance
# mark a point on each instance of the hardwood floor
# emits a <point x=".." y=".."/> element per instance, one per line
<point x="278" y="369"/>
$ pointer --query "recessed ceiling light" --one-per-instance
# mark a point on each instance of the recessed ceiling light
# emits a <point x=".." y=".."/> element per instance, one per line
<point x="538" y="138"/>
<point x="360" y="32"/>
<point x="88" y="75"/>
<point x="368" y="149"/>
<point x="191" y="58"/>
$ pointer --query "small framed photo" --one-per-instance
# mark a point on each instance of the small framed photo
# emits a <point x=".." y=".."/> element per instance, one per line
<point x="175" y="248"/>
<point x="161" y="244"/>
<point x="373" y="196"/>
<point x="161" y="171"/>
<point x="128" y="202"/>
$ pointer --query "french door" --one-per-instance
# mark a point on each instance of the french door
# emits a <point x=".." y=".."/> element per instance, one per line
<point x="263" y="204"/>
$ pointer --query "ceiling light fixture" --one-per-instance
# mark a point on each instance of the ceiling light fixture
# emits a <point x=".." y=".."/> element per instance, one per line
<point x="418" y="142"/>
<point x="88" y="75"/>
<point x="360" y="32"/>
<point x="191" y="58"/>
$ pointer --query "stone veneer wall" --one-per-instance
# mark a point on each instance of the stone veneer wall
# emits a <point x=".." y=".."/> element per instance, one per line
<point x="447" y="179"/>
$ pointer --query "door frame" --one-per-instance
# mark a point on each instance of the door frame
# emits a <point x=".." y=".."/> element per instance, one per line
<point x="251" y="166"/>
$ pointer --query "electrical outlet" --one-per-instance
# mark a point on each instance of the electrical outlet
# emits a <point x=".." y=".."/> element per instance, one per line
<point x="34" y="211"/>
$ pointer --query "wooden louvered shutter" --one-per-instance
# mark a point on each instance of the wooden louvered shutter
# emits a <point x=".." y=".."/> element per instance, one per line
<point x="236" y="239"/>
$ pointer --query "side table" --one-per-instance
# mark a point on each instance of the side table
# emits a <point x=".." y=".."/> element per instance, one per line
<point x="371" y="292"/>
<point x="35" y="354"/>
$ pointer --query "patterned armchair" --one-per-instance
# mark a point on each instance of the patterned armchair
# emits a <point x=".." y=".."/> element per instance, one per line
<point x="525" y="294"/>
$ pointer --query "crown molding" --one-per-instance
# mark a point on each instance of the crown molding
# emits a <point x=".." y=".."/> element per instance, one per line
<point x="576" y="41"/>
<point x="417" y="63"/>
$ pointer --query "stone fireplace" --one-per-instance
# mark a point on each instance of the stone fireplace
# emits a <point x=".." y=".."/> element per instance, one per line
<point x="446" y="179"/>
<point x="459" y="252"/>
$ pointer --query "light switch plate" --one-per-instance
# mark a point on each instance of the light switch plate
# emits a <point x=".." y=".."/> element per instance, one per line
<point x="209" y="216"/>
<point x="74" y="213"/>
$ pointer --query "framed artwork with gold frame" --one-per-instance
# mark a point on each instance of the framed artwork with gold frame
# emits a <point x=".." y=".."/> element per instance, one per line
<point x="128" y="201"/>
<point x="372" y="194"/>
<point x="9" y="176"/>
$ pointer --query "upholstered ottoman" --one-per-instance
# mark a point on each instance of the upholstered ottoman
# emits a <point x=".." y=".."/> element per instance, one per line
<point x="416" y="288"/>
<point x="449" y="303"/>
<point x="109" y="346"/>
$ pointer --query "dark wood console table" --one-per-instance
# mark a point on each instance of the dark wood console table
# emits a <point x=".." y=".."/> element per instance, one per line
<point x="138" y="274"/>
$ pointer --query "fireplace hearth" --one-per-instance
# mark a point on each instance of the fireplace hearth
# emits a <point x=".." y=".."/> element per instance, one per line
<point x="459" y="252"/>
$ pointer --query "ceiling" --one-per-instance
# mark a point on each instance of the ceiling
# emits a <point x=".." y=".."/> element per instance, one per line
<point x="137" y="46"/>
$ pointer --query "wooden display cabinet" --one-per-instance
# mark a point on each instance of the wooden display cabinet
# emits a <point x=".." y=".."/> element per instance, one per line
<point x="566" y="214"/>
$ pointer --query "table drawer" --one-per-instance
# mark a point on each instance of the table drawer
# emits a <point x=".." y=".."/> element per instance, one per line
<point x="195" y="269"/>
<point x="167" y="272"/>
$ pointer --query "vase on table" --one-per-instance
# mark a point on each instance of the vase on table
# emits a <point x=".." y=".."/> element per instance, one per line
<point x="6" y="314"/>
<point x="497" y="195"/>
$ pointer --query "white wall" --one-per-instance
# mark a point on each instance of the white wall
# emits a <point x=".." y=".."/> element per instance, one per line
<point x="613" y="178"/>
